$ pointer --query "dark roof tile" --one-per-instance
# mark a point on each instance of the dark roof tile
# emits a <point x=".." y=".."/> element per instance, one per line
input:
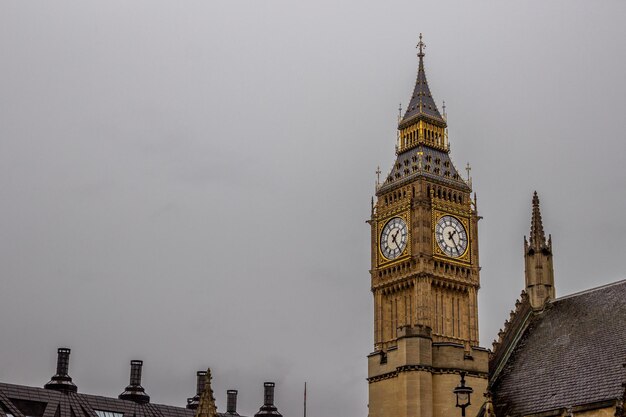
<point x="83" y="405"/>
<point x="423" y="161"/>
<point x="570" y="354"/>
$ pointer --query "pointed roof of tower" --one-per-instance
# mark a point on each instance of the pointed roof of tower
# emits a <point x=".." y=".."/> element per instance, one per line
<point x="537" y="235"/>
<point x="422" y="102"/>
<point x="424" y="156"/>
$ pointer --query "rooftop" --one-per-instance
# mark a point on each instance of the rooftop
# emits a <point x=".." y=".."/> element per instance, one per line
<point x="571" y="353"/>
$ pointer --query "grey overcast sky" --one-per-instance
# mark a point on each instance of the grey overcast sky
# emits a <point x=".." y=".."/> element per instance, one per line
<point x="187" y="182"/>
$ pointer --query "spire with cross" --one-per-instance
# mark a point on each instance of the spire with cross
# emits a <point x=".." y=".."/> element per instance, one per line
<point x="421" y="46"/>
<point x="422" y="104"/>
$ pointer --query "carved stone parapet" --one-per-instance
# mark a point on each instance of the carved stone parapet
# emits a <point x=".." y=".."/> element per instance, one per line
<point x="417" y="330"/>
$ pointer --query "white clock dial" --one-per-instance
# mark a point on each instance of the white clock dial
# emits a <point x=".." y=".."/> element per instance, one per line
<point x="393" y="238"/>
<point x="451" y="236"/>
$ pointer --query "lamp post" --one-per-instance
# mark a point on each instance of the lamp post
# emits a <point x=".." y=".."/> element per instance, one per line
<point x="463" y="394"/>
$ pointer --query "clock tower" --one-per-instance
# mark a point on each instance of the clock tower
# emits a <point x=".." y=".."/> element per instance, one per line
<point x="424" y="273"/>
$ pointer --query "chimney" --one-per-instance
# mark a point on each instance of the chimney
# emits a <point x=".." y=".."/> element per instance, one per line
<point x="268" y="408"/>
<point x="231" y="402"/>
<point x="61" y="381"/>
<point x="134" y="391"/>
<point x="192" y="403"/>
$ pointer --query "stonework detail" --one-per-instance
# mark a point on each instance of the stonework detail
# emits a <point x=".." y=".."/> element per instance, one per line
<point x="539" y="269"/>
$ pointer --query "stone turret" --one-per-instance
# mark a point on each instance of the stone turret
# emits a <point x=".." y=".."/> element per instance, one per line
<point x="539" y="270"/>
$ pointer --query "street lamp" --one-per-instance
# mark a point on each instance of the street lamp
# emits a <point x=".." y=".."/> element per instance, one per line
<point x="463" y="394"/>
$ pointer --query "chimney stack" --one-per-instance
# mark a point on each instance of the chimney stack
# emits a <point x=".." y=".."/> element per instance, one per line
<point x="231" y="402"/>
<point x="192" y="403"/>
<point x="134" y="391"/>
<point x="269" y="393"/>
<point x="61" y="381"/>
<point x="268" y="408"/>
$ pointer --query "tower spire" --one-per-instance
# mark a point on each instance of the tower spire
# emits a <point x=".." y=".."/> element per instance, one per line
<point x="422" y="102"/>
<point x="537" y="235"/>
<point x="539" y="269"/>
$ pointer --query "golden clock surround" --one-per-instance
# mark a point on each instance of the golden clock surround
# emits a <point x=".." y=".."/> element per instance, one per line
<point x="406" y="253"/>
<point x="465" y="259"/>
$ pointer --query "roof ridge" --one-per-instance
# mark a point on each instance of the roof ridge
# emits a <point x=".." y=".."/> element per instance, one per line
<point x="589" y="290"/>
<point x="508" y="338"/>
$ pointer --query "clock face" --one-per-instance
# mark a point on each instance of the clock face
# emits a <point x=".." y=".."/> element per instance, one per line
<point x="451" y="236"/>
<point x="393" y="238"/>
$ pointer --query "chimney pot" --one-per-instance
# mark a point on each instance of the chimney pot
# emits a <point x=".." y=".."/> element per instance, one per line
<point x="61" y="381"/>
<point x="63" y="361"/>
<point x="231" y="403"/>
<point x="269" y="393"/>
<point x="268" y="408"/>
<point x="193" y="402"/>
<point x="135" y="372"/>
<point x="134" y="391"/>
<point x="201" y="381"/>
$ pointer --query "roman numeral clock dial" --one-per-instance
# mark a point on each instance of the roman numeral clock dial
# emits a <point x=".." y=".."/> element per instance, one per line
<point x="393" y="238"/>
<point x="451" y="236"/>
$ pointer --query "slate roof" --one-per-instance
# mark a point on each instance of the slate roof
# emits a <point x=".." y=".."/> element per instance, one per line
<point x="433" y="164"/>
<point x="24" y="401"/>
<point x="570" y="354"/>
<point x="422" y="102"/>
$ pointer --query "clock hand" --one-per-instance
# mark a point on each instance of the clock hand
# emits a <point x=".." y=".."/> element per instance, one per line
<point x="393" y="239"/>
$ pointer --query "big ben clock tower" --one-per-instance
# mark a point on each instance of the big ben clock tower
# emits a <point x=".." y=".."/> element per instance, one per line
<point x="424" y="273"/>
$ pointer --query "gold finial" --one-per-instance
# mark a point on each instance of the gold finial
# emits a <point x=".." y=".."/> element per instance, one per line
<point x="421" y="46"/>
<point x="444" y="108"/>
<point x="378" y="172"/>
<point x="468" y="168"/>
<point x="399" y="112"/>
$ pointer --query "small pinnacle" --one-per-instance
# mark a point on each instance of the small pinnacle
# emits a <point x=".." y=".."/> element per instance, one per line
<point x="537" y="235"/>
